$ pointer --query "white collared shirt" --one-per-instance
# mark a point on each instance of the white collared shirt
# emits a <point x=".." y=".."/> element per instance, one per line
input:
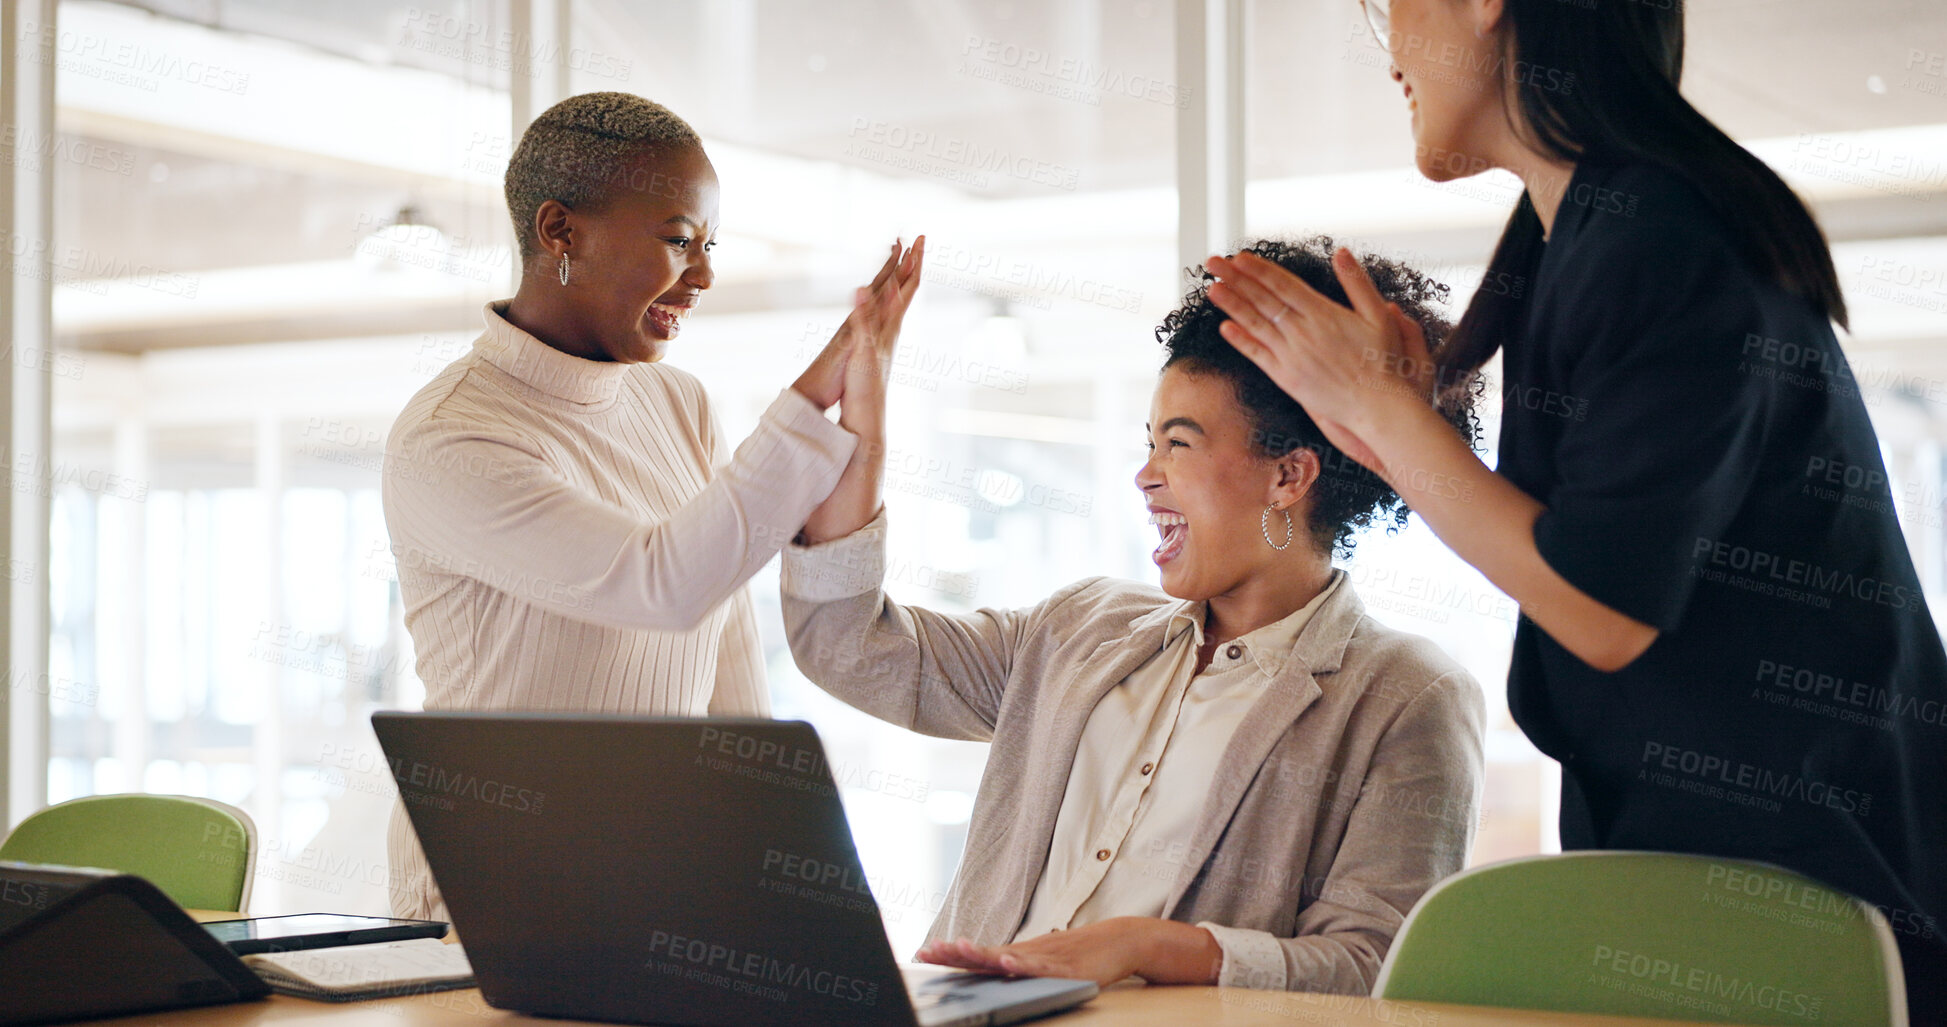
<point x="1143" y="769"/>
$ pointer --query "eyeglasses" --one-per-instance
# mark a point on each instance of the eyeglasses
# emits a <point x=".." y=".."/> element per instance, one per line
<point x="1378" y="16"/>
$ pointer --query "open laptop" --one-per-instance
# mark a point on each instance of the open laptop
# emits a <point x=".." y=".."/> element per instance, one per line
<point x="662" y="870"/>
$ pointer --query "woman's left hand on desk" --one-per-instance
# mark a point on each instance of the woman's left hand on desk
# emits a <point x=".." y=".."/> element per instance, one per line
<point x="1161" y="951"/>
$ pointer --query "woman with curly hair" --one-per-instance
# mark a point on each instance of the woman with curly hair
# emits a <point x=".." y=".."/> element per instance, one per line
<point x="1238" y="778"/>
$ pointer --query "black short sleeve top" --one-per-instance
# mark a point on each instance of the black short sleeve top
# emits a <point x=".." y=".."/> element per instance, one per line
<point x="1709" y="467"/>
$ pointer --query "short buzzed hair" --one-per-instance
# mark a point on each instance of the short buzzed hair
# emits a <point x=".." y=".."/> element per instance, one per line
<point x="582" y="147"/>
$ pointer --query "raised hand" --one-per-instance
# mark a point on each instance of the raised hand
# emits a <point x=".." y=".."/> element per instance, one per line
<point x="878" y="312"/>
<point x="1344" y="366"/>
<point x="869" y="334"/>
<point x="823" y="382"/>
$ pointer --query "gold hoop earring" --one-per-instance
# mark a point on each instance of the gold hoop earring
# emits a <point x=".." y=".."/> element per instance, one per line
<point x="1264" y="522"/>
<point x="563" y="271"/>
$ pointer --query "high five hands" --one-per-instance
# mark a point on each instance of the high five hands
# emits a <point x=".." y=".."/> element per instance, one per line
<point x="871" y="330"/>
<point x="1345" y="367"/>
<point x="859" y="361"/>
<point x="878" y="311"/>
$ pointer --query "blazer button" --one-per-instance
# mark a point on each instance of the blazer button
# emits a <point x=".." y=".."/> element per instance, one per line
<point x="1234" y="651"/>
<point x="1147" y="767"/>
<point x="1101" y="854"/>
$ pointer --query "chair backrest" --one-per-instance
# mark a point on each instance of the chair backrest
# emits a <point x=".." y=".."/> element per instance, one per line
<point x="1649" y="934"/>
<point x="199" y="852"/>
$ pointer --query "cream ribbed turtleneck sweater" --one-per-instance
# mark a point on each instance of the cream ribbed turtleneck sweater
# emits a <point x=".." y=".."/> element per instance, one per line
<point x="573" y="535"/>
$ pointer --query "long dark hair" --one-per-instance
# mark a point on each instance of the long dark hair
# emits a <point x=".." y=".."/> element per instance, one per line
<point x="1626" y="57"/>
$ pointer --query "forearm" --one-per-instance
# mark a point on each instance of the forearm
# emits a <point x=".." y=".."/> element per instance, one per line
<point x="854" y="501"/>
<point x="1173" y="952"/>
<point x="929" y="672"/>
<point x="1490" y="523"/>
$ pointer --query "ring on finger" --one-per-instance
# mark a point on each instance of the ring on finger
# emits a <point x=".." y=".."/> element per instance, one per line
<point x="1282" y="311"/>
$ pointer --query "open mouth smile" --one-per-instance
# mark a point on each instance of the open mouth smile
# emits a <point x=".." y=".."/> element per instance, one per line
<point x="669" y="317"/>
<point x="1176" y="531"/>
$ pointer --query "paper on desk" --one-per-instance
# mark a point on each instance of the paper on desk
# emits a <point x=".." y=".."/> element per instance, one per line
<point x="366" y="971"/>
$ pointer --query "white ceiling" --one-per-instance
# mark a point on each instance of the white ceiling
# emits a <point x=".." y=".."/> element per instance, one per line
<point x="297" y="172"/>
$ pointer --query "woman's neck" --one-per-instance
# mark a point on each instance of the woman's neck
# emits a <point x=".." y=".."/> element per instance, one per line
<point x="549" y="322"/>
<point x="1269" y="597"/>
<point x="1547" y="182"/>
<point x="1545" y="175"/>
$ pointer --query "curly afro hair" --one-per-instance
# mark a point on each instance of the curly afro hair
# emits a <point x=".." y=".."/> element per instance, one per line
<point x="1347" y="497"/>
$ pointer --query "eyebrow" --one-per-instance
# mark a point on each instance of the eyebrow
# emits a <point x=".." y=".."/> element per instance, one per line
<point x="684" y="219"/>
<point x="1181" y="422"/>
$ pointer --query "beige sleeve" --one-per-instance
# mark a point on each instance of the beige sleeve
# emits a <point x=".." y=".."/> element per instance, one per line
<point x="935" y="673"/>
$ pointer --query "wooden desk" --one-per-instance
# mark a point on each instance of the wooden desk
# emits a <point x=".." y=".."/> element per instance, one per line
<point x="1121" y="1006"/>
<point x="1130" y="1006"/>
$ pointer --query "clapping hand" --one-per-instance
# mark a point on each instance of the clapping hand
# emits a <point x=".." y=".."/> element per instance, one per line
<point x="1343" y="365"/>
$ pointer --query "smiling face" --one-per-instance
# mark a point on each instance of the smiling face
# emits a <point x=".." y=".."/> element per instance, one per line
<point x="640" y="257"/>
<point x="1447" y="60"/>
<point x="1207" y="486"/>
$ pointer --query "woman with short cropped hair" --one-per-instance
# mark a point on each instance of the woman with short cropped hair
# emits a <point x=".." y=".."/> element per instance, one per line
<point x="572" y="530"/>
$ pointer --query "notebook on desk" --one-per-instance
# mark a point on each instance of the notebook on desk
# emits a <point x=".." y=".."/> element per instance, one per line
<point x="350" y="973"/>
<point x="672" y="871"/>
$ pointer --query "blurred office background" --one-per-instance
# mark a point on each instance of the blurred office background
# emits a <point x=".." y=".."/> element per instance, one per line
<point x="272" y="221"/>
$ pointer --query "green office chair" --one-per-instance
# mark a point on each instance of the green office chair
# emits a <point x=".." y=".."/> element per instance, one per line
<point x="200" y="852"/>
<point x="1649" y="934"/>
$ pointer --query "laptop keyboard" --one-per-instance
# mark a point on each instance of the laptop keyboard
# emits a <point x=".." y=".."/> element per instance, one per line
<point x="936" y="999"/>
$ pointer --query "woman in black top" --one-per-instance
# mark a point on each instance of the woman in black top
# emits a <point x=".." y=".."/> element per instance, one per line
<point x="1723" y="639"/>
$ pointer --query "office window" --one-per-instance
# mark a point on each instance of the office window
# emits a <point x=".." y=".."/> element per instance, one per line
<point x="259" y="260"/>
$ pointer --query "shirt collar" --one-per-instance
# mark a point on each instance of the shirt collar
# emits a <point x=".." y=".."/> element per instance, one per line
<point x="1188" y="616"/>
<point x="544" y="368"/>
<point x="1272" y="644"/>
<point x="1268" y="646"/>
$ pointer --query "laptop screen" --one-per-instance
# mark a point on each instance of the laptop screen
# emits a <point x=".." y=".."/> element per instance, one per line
<point x="668" y="870"/>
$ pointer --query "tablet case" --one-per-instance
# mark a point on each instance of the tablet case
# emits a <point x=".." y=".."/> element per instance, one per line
<point x="79" y="943"/>
<point x="403" y="930"/>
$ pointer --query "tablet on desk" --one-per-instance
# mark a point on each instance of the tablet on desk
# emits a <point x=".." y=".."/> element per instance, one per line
<point x="317" y="931"/>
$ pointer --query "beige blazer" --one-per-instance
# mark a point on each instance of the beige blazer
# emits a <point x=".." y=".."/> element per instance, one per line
<point x="1353" y="786"/>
